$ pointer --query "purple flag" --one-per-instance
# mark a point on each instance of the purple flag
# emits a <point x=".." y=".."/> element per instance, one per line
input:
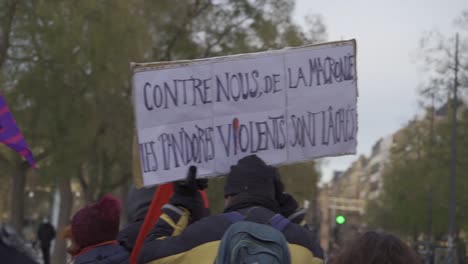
<point x="10" y="133"/>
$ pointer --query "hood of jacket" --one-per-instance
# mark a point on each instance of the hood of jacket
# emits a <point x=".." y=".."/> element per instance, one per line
<point x="138" y="202"/>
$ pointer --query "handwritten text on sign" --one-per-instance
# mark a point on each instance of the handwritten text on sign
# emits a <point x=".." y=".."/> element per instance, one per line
<point x="285" y="106"/>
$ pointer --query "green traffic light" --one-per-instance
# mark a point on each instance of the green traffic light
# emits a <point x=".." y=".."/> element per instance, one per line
<point x="340" y="219"/>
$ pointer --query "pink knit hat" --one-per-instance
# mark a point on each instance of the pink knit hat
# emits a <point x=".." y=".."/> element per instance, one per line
<point x="97" y="222"/>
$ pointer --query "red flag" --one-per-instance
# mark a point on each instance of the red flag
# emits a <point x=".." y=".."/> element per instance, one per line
<point x="10" y="133"/>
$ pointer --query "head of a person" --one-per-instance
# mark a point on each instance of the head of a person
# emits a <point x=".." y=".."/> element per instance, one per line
<point x="252" y="182"/>
<point x="97" y="222"/>
<point x="376" y="248"/>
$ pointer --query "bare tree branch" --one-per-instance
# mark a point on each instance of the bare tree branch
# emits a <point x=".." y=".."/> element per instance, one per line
<point x="41" y="156"/>
<point x="34" y="40"/>
<point x="221" y="36"/>
<point x="6" y="32"/>
<point x="18" y="59"/>
<point x="82" y="179"/>
<point x="191" y="15"/>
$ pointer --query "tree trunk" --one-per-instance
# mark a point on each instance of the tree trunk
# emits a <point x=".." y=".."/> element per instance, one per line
<point x="7" y="28"/>
<point x="66" y="202"/>
<point x="17" y="200"/>
<point x="83" y="172"/>
<point x="123" y="195"/>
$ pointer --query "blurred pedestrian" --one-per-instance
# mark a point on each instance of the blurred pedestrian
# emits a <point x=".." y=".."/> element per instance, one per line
<point x="94" y="231"/>
<point x="45" y="234"/>
<point x="376" y="248"/>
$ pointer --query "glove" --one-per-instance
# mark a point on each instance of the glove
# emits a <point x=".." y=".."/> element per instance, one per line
<point x="187" y="195"/>
<point x="288" y="205"/>
<point x="191" y="185"/>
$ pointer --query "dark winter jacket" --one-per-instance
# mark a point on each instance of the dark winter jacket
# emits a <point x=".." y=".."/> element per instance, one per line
<point x="13" y="249"/>
<point x="172" y="241"/>
<point x="138" y="202"/>
<point x="46" y="233"/>
<point x="11" y="255"/>
<point x="104" y="254"/>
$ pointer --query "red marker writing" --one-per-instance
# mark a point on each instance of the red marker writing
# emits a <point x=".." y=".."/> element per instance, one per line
<point x="235" y="125"/>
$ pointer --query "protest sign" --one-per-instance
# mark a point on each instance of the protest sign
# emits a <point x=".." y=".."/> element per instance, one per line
<point x="284" y="106"/>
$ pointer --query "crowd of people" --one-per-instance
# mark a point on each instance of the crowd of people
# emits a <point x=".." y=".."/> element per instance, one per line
<point x="261" y="223"/>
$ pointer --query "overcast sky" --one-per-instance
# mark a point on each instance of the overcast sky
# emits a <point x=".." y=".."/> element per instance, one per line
<point x="387" y="34"/>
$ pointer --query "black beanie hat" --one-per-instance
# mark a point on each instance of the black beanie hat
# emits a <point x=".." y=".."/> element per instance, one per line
<point x="251" y="175"/>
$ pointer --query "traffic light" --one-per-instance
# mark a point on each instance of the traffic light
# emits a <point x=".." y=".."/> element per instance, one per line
<point x="340" y="219"/>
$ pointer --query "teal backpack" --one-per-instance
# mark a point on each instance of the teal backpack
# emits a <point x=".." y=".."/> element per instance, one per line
<point x="247" y="242"/>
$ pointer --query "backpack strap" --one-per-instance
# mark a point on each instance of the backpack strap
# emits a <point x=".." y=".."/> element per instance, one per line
<point x="233" y="216"/>
<point x="279" y="222"/>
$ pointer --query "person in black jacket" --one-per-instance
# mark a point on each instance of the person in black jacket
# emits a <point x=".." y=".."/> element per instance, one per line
<point x="138" y="202"/>
<point x="45" y="234"/>
<point x="183" y="235"/>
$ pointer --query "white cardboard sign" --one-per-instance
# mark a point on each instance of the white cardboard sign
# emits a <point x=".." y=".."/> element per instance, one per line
<point x="284" y="106"/>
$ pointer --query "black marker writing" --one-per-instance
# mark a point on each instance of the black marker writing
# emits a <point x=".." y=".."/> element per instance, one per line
<point x="182" y="148"/>
<point x="322" y="71"/>
<point x="337" y="125"/>
<point x="148" y="156"/>
<point x="253" y="136"/>
<point x="192" y="91"/>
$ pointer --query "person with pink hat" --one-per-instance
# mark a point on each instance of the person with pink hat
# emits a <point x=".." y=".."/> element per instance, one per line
<point x="94" y="231"/>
